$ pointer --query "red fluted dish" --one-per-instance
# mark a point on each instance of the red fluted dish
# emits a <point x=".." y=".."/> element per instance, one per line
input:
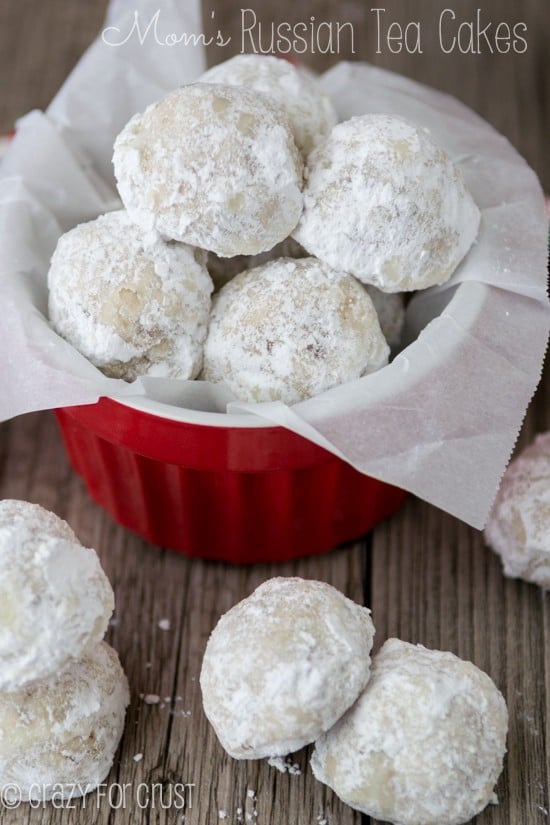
<point x="238" y="494"/>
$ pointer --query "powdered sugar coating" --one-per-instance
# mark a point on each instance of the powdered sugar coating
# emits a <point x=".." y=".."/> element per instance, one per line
<point x="289" y="330"/>
<point x="519" y="524"/>
<point x="55" y="600"/>
<point x="390" y="308"/>
<point x="130" y="302"/>
<point x="310" y="111"/>
<point x="423" y="744"/>
<point x="283" y="665"/>
<point x="385" y="203"/>
<point x="223" y="270"/>
<point x="215" y="166"/>
<point x="59" y="736"/>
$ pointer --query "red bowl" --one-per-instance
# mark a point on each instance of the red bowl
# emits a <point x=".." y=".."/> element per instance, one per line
<point x="242" y="494"/>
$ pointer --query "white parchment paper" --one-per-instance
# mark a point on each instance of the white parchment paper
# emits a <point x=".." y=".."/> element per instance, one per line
<point x="440" y="420"/>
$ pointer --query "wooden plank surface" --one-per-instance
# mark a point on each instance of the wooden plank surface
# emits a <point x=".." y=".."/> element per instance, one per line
<point x="427" y="577"/>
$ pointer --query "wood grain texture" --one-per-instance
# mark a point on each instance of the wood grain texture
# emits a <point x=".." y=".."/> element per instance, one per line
<point x="176" y="741"/>
<point x="427" y="577"/>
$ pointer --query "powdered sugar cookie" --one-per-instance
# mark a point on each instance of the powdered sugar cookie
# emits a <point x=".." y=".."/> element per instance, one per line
<point x="423" y="744"/>
<point x="385" y="203"/>
<point x="59" y="736"/>
<point x="291" y="329"/>
<point x="215" y="166"/>
<point x="55" y="600"/>
<point x="519" y="525"/>
<point x="131" y="303"/>
<point x="283" y="665"/>
<point x="223" y="270"/>
<point x="310" y="111"/>
<point x="390" y="308"/>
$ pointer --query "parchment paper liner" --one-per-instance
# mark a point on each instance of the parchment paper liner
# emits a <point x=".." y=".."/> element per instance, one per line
<point x="440" y="420"/>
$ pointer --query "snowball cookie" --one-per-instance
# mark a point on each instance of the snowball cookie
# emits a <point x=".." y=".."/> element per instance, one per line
<point x="283" y="665"/>
<point x="64" y="731"/>
<point x="423" y="744"/>
<point x="214" y="166"/>
<point x="55" y="600"/>
<point x="133" y="304"/>
<point x="383" y="202"/>
<point x="291" y="329"/>
<point x="223" y="270"/>
<point x="390" y="308"/>
<point x="310" y="111"/>
<point x="519" y="525"/>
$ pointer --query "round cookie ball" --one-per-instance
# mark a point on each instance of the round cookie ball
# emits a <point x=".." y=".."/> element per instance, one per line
<point x="133" y="304"/>
<point x="310" y="111"/>
<point x="283" y="665"/>
<point x="214" y="166"/>
<point x="385" y="203"/>
<point x="55" y="599"/>
<point x="519" y="525"/>
<point x="390" y="308"/>
<point x="59" y="737"/>
<point x="223" y="270"/>
<point x="423" y="744"/>
<point x="291" y="329"/>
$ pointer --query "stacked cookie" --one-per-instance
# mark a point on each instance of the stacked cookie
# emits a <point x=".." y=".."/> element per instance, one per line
<point x="300" y="221"/>
<point x="415" y="737"/>
<point x="63" y="693"/>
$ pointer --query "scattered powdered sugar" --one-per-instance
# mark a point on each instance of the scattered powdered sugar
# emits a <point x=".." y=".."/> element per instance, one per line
<point x="310" y="111"/>
<point x="420" y="707"/>
<point x="289" y="330"/>
<point x="150" y="698"/>
<point x="519" y="524"/>
<point x="64" y="729"/>
<point x="268" y="689"/>
<point x="214" y="166"/>
<point x="164" y="624"/>
<point x="55" y="600"/>
<point x="163" y="702"/>
<point x="284" y="765"/>
<point x="132" y="303"/>
<point x="383" y="202"/>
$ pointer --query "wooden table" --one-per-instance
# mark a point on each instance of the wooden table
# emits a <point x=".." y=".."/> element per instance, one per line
<point x="426" y="576"/>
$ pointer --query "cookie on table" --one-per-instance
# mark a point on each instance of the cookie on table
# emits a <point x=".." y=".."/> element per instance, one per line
<point x="423" y="744"/>
<point x="59" y="736"/>
<point x="518" y="528"/>
<point x="283" y="665"/>
<point x="55" y="600"/>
